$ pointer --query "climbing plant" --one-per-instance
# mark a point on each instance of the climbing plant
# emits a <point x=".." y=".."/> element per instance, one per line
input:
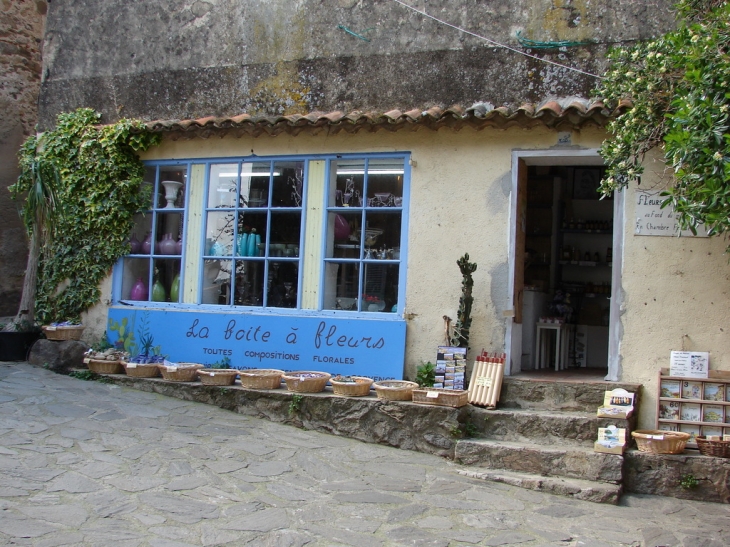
<point x="99" y="190"/>
<point x="679" y="90"/>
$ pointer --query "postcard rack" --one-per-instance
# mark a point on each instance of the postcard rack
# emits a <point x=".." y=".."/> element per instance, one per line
<point x="698" y="406"/>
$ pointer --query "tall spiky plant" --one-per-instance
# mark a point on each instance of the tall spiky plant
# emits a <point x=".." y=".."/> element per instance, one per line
<point x="39" y="180"/>
<point x="460" y="333"/>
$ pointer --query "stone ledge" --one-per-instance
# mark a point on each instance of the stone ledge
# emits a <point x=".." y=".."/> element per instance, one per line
<point x="406" y="425"/>
<point x="661" y="474"/>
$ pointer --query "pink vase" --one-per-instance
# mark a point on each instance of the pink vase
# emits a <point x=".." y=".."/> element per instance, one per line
<point x="147" y="244"/>
<point x="139" y="290"/>
<point x="135" y="244"/>
<point x="167" y="245"/>
<point x="178" y="246"/>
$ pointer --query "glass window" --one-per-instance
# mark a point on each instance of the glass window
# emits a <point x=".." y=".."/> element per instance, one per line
<point x="364" y="235"/>
<point x="233" y="231"/>
<point x="253" y="234"/>
<point x="152" y="271"/>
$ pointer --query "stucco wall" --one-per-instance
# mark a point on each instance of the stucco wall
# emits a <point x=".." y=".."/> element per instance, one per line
<point x="21" y="31"/>
<point x="460" y="191"/>
<point x="189" y="59"/>
<point x="676" y="297"/>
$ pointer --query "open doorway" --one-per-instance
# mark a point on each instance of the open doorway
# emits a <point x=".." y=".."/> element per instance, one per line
<point x="565" y="264"/>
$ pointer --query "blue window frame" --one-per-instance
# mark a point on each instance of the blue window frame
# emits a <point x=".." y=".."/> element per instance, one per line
<point x="317" y="235"/>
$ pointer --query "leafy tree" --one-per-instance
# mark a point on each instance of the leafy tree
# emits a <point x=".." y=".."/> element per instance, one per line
<point x="678" y="86"/>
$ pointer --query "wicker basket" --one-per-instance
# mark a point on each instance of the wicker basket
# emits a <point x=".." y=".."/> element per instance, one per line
<point x="104" y="367"/>
<point x="306" y="381"/>
<point x="718" y="449"/>
<point x="261" y="378"/>
<point x="218" y="376"/>
<point x="183" y="372"/>
<point x="658" y="441"/>
<point x="70" y="332"/>
<point x="359" y="388"/>
<point x="395" y="390"/>
<point x="442" y="397"/>
<point x="141" y="370"/>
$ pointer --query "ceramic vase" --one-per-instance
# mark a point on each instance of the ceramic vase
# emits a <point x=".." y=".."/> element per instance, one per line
<point x="179" y="246"/>
<point x="158" y="292"/>
<point x="146" y="246"/>
<point x="135" y="244"/>
<point x="167" y="245"/>
<point x="242" y="245"/>
<point x="253" y="241"/>
<point x="175" y="289"/>
<point x="139" y="290"/>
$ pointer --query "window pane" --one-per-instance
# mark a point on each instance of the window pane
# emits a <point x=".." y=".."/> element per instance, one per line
<point x="135" y="279"/>
<point x="216" y="281"/>
<point x="168" y="233"/>
<point x="171" y="190"/>
<point x="255" y="179"/>
<point x="385" y="183"/>
<point x="349" y="180"/>
<point x="164" y="278"/>
<point x="282" y="287"/>
<point x="285" y="233"/>
<point x="288" y="184"/>
<point x="222" y="185"/>
<point x="219" y="233"/>
<point x="343" y="234"/>
<point x="380" y="287"/>
<point x="342" y="285"/>
<point x="141" y="237"/>
<point x="249" y="283"/>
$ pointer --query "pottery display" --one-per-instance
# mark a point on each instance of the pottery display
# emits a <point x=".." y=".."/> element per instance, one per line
<point x="179" y="246"/>
<point x="135" y="244"/>
<point x="139" y="290"/>
<point x="146" y="246"/>
<point x="158" y="292"/>
<point x="167" y="245"/>
<point x="175" y="288"/>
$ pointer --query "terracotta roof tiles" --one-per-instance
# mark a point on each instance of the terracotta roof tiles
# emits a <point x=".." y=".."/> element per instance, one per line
<point x="560" y="113"/>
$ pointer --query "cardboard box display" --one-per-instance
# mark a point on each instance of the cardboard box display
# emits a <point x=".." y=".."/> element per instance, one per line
<point x="617" y="403"/>
<point x="611" y="440"/>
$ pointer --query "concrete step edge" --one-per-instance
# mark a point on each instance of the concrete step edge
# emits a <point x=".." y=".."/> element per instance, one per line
<point x="594" y="491"/>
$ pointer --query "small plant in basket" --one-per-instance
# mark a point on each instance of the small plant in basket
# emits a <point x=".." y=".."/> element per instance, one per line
<point x="426" y="374"/>
<point x="224" y="363"/>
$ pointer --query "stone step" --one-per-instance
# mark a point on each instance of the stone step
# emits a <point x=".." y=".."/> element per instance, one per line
<point x="574" y="462"/>
<point x="597" y="492"/>
<point x="544" y="426"/>
<point x="576" y="396"/>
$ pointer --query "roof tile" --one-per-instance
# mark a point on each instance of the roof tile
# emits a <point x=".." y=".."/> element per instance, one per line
<point x="562" y="113"/>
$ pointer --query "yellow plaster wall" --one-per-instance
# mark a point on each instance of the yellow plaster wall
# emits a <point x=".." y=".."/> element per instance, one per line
<point x="460" y="191"/>
<point x="676" y="296"/>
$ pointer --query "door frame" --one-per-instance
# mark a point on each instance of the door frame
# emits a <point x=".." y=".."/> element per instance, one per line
<point x="521" y="159"/>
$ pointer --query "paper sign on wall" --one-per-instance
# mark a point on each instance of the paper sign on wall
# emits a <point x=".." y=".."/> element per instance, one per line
<point x="689" y="364"/>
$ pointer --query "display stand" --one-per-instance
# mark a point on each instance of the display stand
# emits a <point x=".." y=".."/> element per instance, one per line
<point x="698" y="406"/>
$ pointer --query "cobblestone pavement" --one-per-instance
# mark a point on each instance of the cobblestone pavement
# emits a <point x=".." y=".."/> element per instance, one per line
<point x="87" y="463"/>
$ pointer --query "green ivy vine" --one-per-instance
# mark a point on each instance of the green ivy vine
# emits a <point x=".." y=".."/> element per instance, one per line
<point x="99" y="190"/>
<point x="679" y="88"/>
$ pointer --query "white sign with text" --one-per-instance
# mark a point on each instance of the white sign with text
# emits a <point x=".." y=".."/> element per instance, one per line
<point x="652" y="220"/>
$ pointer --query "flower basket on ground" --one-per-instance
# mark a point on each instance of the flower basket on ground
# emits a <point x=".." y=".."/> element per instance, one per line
<point x="306" y="381"/>
<point x="395" y="390"/>
<point x="63" y="332"/>
<point x="261" y="378"/>
<point x="351" y="386"/>
<point x="104" y="367"/>
<point x="180" y="372"/>
<point x="217" y="376"/>
<point x="141" y="370"/>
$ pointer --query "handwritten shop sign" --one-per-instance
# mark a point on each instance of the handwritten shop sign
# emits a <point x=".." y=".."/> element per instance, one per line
<point x="652" y="220"/>
<point x="367" y="347"/>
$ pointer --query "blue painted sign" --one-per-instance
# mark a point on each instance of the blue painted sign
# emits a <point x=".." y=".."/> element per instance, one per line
<point x="365" y="347"/>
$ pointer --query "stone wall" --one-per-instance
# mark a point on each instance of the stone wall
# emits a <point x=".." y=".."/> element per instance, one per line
<point x="21" y="32"/>
<point x="190" y="59"/>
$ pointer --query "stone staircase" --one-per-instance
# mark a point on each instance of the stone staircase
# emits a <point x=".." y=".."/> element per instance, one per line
<point x="541" y="437"/>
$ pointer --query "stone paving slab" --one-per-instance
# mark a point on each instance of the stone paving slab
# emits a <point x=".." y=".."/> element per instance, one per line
<point x="92" y="464"/>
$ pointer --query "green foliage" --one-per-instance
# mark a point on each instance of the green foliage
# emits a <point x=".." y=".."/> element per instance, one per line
<point x="678" y="85"/>
<point x="464" y="430"/>
<point x="224" y="363"/>
<point x="460" y="335"/>
<point x="84" y="375"/>
<point x="688" y="482"/>
<point x="426" y="374"/>
<point x="295" y="404"/>
<point x="100" y="188"/>
<point x="102" y="345"/>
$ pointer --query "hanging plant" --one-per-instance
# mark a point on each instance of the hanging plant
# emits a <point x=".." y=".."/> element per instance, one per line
<point x="97" y="193"/>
